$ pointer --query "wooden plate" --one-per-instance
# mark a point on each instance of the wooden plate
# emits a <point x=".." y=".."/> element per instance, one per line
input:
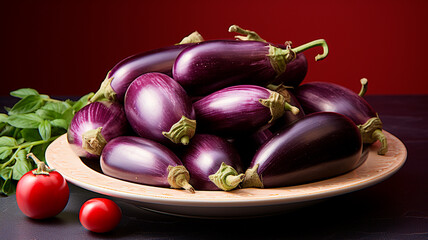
<point x="221" y="204"/>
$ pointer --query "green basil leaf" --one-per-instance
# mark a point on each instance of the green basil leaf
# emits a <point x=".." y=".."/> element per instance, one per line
<point x="83" y="101"/>
<point x="6" y="173"/>
<point x="5" y="152"/>
<point x="3" y="118"/>
<point x="22" y="165"/>
<point x="7" y="130"/>
<point x="8" y="142"/>
<point x="61" y="123"/>
<point x="31" y="134"/>
<point x="58" y="107"/>
<point x="45" y="129"/>
<point x="29" y="120"/>
<point x="8" y="187"/>
<point x="48" y="114"/>
<point x="23" y="92"/>
<point x="20" y="140"/>
<point x="68" y="115"/>
<point x="28" y="104"/>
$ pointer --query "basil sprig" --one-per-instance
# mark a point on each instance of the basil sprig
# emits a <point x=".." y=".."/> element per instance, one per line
<point x="30" y="126"/>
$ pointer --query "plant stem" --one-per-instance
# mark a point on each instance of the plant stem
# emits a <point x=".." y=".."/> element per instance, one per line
<point x="363" y="90"/>
<point x="319" y="42"/>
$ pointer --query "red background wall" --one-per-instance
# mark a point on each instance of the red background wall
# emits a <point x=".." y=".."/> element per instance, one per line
<point x="67" y="47"/>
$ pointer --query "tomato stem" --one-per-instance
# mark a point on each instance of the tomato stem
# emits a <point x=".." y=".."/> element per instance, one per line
<point x="41" y="166"/>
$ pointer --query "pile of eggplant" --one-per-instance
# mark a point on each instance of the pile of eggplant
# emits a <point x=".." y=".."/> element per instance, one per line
<point x="224" y="114"/>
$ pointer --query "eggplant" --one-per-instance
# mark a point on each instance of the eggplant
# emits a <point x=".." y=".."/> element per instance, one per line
<point x="325" y="96"/>
<point x="94" y="125"/>
<point x="296" y="70"/>
<point x="240" y="109"/>
<point x="161" y="60"/>
<point x="318" y="146"/>
<point x="158" y="108"/>
<point x="209" y="66"/>
<point x="213" y="163"/>
<point x="143" y="161"/>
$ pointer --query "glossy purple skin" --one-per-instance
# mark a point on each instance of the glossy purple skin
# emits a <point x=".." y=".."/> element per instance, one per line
<point x="331" y="97"/>
<point x="110" y="116"/>
<point x="157" y="60"/>
<point x="233" y="110"/>
<point x="203" y="157"/>
<point x="209" y="66"/>
<point x="319" y="146"/>
<point x="139" y="160"/>
<point x="295" y="72"/>
<point x="153" y="103"/>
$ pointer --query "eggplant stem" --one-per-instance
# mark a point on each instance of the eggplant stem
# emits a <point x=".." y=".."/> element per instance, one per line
<point x="226" y="178"/>
<point x="42" y="169"/>
<point x="178" y="177"/>
<point x="363" y="90"/>
<point x="182" y="131"/>
<point x="93" y="141"/>
<point x="194" y="37"/>
<point x="252" y="178"/>
<point x="378" y="134"/>
<point x="105" y="92"/>
<point x="250" y="35"/>
<point x="294" y="110"/>
<point x="319" y="42"/>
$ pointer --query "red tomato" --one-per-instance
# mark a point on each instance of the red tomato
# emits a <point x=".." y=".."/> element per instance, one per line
<point x="42" y="196"/>
<point x="100" y="215"/>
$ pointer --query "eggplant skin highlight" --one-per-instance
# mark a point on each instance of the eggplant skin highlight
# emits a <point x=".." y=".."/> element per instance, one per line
<point x="319" y="146"/>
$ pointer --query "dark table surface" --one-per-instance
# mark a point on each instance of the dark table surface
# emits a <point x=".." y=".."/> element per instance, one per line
<point x="396" y="208"/>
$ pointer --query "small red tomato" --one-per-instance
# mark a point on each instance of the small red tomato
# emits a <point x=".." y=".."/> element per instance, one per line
<point x="100" y="215"/>
<point x="42" y="193"/>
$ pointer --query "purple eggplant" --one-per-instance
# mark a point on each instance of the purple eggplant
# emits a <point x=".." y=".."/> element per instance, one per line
<point x="141" y="160"/>
<point x="94" y="125"/>
<point x="240" y="109"/>
<point x="213" y="163"/>
<point x="209" y="66"/>
<point x="161" y="60"/>
<point x="158" y="108"/>
<point x="295" y="71"/>
<point x="318" y="146"/>
<point x="324" y="96"/>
